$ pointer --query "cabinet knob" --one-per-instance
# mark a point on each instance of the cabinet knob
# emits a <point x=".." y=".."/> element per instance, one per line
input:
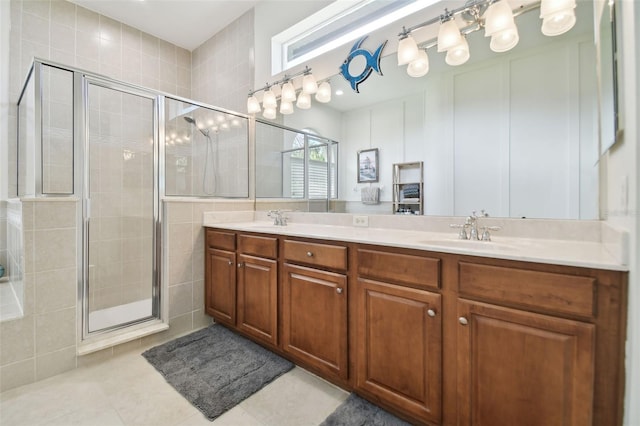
<point x="431" y="313"/>
<point x="463" y="321"/>
<point x="230" y="262"/>
<point x="240" y="265"/>
<point x="309" y="254"/>
<point x="339" y="290"/>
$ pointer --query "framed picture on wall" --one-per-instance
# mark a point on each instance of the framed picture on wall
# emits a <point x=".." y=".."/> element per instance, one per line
<point x="368" y="165"/>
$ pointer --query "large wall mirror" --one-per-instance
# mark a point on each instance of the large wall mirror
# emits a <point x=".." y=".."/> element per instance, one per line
<point x="514" y="133"/>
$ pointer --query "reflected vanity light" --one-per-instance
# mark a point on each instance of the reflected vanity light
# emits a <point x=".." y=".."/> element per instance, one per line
<point x="288" y="95"/>
<point x="497" y="19"/>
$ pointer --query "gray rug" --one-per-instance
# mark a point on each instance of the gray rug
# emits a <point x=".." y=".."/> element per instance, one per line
<point x="215" y="368"/>
<point x="356" y="411"/>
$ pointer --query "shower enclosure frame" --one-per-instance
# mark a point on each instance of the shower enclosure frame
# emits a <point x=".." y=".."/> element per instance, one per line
<point x="90" y="341"/>
<point x="83" y="80"/>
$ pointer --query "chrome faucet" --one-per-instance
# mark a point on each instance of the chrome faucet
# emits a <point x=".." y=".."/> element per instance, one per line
<point x="278" y="218"/>
<point x="471" y="222"/>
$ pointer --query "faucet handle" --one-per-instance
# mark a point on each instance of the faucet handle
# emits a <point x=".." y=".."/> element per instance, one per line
<point x="486" y="236"/>
<point x="462" y="235"/>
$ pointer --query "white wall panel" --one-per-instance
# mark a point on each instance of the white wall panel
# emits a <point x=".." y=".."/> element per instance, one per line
<point x="541" y="132"/>
<point x="478" y="150"/>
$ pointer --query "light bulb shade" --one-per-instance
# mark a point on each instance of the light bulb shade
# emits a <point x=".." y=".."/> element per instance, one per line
<point x="498" y="17"/>
<point x="304" y="101"/>
<point x="558" y="23"/>
<point x="459" y="54"/>
<point x="269" y="113"/>
<point x="288" y="92"/>
<point x="309" y="84"/>
<point x="504" y="40"/>
<point x="286" y="107"/>
<point x="419" y="66"/>
<point x="448" y="35"/>
<point x="269" y="100"/>
<point x="253" y="106"/>
<point x="558" y="16"/>
<point x="551" y="7"/>
<point x="407" y="50"/>
<point x="324" y="93"/>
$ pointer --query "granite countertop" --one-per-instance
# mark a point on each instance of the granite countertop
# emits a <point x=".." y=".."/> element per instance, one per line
<point x="569" y="252"/>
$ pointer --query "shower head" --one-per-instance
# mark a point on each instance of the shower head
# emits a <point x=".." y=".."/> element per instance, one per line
<point x="193" y="121"/>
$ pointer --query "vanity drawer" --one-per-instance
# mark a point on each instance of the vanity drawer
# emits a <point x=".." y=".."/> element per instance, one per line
<point x="221" y="240"/>
<point x="258" y="246"/>
<point x="556" y="292"/>
<point x="325" y="255"/>
<point x="413" y="270"/>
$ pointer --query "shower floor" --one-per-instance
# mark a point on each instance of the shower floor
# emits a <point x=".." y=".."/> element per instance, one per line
<point x="121" y="314"/>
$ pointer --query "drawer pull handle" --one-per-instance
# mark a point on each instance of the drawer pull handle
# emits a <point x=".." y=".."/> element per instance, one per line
<point x="431" y="313"/>
<point x="463" y="321"/>
<point x="309" y="254"/>
<point x="339" y="290"/>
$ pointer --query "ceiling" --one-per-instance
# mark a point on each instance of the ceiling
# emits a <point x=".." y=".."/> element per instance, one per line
<point x="185" y="23"/>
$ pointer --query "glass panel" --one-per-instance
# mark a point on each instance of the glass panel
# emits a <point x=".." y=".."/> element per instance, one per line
<point x="206" y="152"/>
<point x="26" y="186"/>
<point x="57" y="131"/>
<point x="121" y="224"/>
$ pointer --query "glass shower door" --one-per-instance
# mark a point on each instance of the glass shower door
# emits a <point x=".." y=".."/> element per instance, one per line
<point x="120" y="278"/>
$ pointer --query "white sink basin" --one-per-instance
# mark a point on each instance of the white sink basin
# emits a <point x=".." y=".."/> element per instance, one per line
<point x="471" y="244"/>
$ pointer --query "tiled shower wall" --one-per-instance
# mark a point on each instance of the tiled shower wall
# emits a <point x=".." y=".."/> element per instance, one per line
<point x="223" y="66"/>
<point x="43" y="342"/>
<point x="14" y="260"/>
<point x="184" y="260"/>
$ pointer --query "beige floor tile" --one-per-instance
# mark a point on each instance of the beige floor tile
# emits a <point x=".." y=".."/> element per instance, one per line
<point x="298" y="398"/>
<point x="103" y="416"/>
<point x="60" y="396"/>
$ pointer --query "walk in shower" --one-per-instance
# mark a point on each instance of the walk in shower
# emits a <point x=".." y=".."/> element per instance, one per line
<point x="120" y="150"/>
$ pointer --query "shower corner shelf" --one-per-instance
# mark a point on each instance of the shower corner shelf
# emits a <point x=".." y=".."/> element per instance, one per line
<point x="408" y="188"/>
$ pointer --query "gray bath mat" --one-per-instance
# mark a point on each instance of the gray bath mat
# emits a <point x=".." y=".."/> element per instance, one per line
<point x="355" y="411"/>
<point x="215" y="369"/>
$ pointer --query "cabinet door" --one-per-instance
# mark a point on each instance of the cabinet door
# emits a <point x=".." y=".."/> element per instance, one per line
<point x="314" y="318"/>
<point x="525" y="369"/>
<point x="220" y="286"/>
<point x="399" y="347"/>
<point x="258" y="297"/>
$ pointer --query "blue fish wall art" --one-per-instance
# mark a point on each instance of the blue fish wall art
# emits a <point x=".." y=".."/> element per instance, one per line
<point x="373" y="63"/>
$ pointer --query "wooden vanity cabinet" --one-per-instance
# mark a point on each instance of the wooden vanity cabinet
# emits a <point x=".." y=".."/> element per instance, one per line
<point x="241" y="283"/>
<point x="399" y="332"/>
<point x="436" y="338"/>
<point x="534" y="344"/>
<point x="220" y="276"/>
<point x="314" y="306"/>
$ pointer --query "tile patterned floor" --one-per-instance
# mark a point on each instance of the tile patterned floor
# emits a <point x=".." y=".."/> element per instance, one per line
<point x="128" y="391"/>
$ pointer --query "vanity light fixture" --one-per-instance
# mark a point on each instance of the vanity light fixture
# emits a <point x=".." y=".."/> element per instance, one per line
<point x="287" y="95"/>
<point x="494" y="16"/>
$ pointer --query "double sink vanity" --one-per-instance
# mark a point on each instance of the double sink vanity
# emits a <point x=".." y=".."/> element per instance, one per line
<point x="438" y="330"/>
